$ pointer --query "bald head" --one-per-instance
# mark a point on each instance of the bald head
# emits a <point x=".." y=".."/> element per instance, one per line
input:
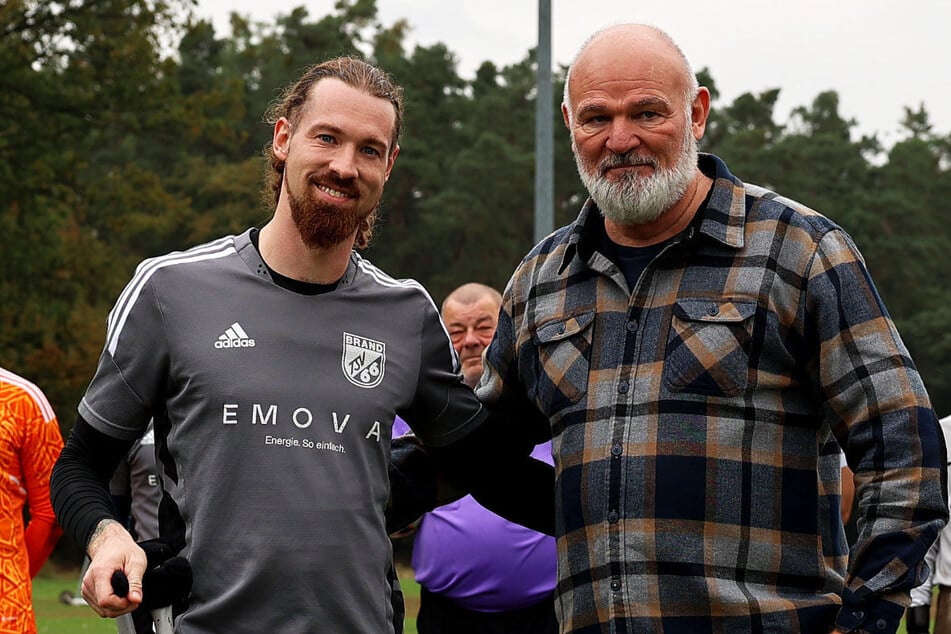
<point x="635" y="115"/>
<point x="471" y="293"/>
<point x="471" y="314"/>
<point x="637" y="48"/>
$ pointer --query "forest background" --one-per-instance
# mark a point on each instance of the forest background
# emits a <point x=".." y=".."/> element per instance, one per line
<point x="129" y="128"/>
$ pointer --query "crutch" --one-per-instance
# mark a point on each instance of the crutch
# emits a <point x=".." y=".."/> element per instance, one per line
<point x="167" y="580"/>
<point x="161" y="622"/>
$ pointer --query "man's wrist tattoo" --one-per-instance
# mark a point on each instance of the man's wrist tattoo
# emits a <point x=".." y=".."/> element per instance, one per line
<point x="100" y="529"/>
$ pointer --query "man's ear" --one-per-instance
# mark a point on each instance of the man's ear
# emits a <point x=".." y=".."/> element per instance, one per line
<point x="281" y="139"/>
<point x="390" y="162"/>
<point x="699" y="111"/>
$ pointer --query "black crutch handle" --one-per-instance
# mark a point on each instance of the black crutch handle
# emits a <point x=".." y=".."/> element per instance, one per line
<point x="167" y="579"/>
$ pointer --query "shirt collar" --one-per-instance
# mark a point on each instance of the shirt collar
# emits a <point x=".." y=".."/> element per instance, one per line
<point x="724" y="216"/>
<point x="246" y="248"/>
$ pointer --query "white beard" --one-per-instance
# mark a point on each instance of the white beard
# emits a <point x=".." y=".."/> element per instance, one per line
<point x="635" y="199"/>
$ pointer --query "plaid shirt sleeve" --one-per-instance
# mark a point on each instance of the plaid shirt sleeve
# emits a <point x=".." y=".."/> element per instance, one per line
<point x="881" y="415"/>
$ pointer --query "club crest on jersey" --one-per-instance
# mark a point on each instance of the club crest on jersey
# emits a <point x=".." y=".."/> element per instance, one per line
<point x="363" y="360"/>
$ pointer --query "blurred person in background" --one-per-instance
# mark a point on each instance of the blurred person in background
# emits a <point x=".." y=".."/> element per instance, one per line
<point x="30" y="443"/>
<point x="479" y="573"/>
<point x="918" y="615"/>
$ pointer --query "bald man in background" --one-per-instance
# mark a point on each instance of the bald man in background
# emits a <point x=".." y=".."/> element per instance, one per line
<point x="479" y="573"/>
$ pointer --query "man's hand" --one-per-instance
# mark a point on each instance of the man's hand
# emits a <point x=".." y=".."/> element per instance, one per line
<point x="112" y="548"/>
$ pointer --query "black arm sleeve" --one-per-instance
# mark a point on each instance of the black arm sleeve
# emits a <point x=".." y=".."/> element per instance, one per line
<point x="499" y="472"/>
<point x="413" y="488"/>
<point x="79" y="485"/>
<point x="490" y="463"/>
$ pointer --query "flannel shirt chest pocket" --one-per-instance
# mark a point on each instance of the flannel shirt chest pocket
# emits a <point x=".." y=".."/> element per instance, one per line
<point x="564" y="347"/>
<point x="708" y="346"/>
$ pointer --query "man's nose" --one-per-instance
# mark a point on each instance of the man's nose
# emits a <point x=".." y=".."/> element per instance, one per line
<point x="623" y="136"/>
<point x="471" y="339"/>
<point x="342" y="164"/>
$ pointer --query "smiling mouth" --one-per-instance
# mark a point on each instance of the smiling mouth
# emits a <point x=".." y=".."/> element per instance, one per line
<point x="334" y="193"/>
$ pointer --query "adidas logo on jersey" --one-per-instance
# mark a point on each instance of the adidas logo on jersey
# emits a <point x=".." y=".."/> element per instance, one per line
<point x="234" y="337"/>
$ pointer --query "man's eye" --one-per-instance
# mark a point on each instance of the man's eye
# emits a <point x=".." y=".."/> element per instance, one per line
<point x="326" y="138"/>
<point x="371" y="151"/>
<point x="649" y="116"/>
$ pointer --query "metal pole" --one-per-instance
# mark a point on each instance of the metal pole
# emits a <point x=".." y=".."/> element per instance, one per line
<point x="544" y="162"/>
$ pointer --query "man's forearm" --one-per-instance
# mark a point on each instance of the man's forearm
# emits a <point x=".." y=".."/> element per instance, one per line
<point x="79" y="483"/>
<point x="496" y="467"/>
<point x="491" y="463"/>
<point x="524" y="493"/>
<point x="520" y="490"/>
<point x="413" y="483"/>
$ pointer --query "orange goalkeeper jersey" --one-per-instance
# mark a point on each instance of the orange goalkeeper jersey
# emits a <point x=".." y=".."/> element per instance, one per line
<point x="30" y="443"/>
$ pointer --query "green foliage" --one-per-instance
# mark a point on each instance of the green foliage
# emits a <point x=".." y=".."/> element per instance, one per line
<point x="86" y="97"/>
<point x="128" y="128"/>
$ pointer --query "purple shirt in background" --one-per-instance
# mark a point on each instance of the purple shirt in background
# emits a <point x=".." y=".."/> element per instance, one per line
<point x="482" y="562"/>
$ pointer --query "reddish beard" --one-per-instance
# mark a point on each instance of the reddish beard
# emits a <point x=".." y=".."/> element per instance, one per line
<point x="321" y="224"/>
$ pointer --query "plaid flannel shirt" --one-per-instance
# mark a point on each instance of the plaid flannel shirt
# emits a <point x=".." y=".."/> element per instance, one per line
<point x="695" y="420"/>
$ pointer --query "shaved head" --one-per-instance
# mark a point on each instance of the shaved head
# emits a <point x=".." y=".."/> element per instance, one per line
<point x="635" y="113"/>
<point x="470" y="293"/>
<point x="627" y="42"/>
<point x="471" y="314"/>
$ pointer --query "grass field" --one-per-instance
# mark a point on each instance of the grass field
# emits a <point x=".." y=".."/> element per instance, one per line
<point x="55" y="617"/>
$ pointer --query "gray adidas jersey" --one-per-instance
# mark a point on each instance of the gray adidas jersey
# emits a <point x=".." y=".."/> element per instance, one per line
<point x="273" y="415"/>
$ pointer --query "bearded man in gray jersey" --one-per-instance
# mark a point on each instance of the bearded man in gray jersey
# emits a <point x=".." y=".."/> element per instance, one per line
<point x="273" y="363"/>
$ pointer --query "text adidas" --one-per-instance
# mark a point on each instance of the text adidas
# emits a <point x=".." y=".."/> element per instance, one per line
<point x="234" y="337"/>
<point x="234" y="343"/>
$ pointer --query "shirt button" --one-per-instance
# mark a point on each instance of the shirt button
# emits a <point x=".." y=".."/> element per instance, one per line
<point x="613" y="517"/>
<point x="859" y="614"/>
<point x="615" y="584"/>
<point x="881" y="624"/>
<point x="616" y="450"/>
<point x="632" y="326"/>
<point x="714" y="310"/>
<point x="623" y="387"/>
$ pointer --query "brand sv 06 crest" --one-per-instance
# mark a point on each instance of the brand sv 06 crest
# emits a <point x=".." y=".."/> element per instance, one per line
<point x="363" y="360"/>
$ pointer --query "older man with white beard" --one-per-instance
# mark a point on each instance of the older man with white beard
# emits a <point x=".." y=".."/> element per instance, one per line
<point x="701" y="348"/>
